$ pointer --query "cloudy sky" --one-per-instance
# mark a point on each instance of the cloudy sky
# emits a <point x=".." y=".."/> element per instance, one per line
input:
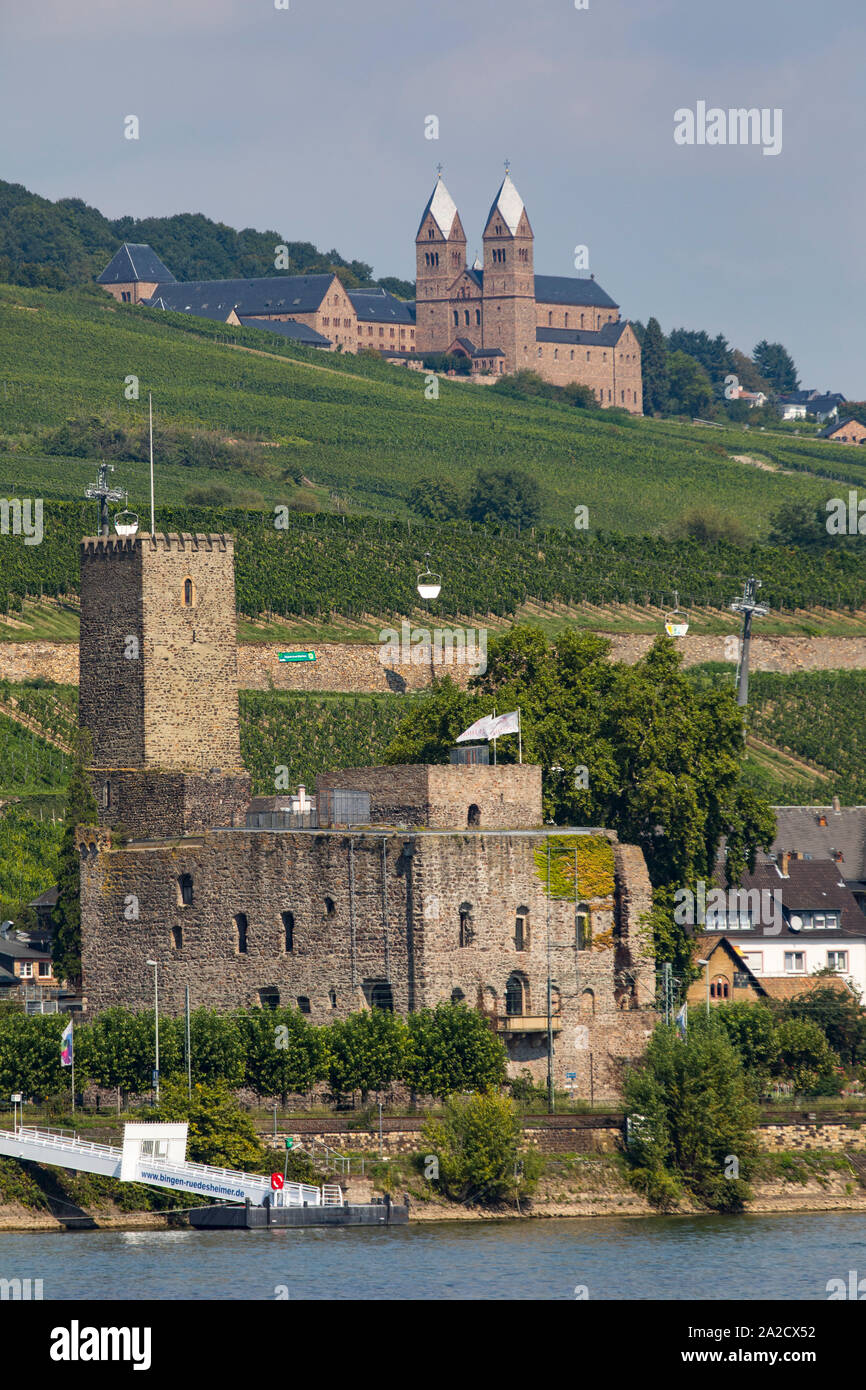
<point x="311" y="120"/>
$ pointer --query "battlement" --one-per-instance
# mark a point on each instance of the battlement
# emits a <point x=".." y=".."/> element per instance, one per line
<point x="161" y="540"/>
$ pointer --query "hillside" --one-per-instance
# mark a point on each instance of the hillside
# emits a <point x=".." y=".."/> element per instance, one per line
<point x="359" y="429"/>
<point x="67" y="243"/>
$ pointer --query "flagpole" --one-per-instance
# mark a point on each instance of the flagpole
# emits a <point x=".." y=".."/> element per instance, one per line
<point x="519" y="738"/>
<point x="494" y="739"/>
<point x="150" y="413"/>
<point x="72" y="1049"/>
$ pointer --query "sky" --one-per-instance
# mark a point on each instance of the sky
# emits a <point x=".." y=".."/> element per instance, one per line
<point x="313" y="120"/>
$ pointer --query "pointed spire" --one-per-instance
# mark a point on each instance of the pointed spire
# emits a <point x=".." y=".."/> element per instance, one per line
<point x="442" y="207"/>
<point x="509" y="204"/>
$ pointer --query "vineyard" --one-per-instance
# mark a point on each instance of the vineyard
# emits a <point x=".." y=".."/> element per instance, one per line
<point x="820" y="716"/>
<point x="325" y="565"/>
<point x="360" y="429"/>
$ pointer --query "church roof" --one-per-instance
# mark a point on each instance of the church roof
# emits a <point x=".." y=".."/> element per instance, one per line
<point x="607" y="336"/>
<point x="288" y="328"/>
<point x="379" y="306"/>
<point x="443" y="208"/>
<point x="135" y="262"/>
<point x="509" y="204"/>
<point x="271" y="294"/>
<point x="571" y="289"/>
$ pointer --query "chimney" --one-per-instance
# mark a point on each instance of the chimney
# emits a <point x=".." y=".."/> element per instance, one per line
<point x="822" y="820"/>
<point x="784" y="858"/>
<point x="837" y="806"/>
<point x="838" y="855"/>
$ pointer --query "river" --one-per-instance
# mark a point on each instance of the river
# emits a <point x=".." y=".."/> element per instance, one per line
<point x="712" y="1258"/>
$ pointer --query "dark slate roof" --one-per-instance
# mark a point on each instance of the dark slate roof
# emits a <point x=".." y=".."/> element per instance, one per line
<point x="568" y="289"/>
<point x="270" y="294"/>
<point x="466" y="343"/>
<point x="815" y="400"/>
<point x="837" y="425"/>
<point x="8" y="980"/>
<point x="379" y="306"/>
<point x="412" y="355"/>
<point x="46" y="899"/>
<point x="19" y="950"/>
<point x="798" y="830"/>
<point x="811" y="886"/>
<point x="476" y="275"/>
<point x="607" y="336"/>
<point x="133" y="262"/>
<point x="488" y="352"/>
<point x="219" y="313"/>
<point x="288" y="328"/>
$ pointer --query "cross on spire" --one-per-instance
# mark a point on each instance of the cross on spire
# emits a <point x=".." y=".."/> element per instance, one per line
<point x="439" y="168"/>
<point x="508" y="166"/>
<point x="103" y="494"/>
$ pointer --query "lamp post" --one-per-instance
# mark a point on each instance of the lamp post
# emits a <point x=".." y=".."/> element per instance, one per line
<point x="706" y="965"/>
<point x="156" y="1019"/>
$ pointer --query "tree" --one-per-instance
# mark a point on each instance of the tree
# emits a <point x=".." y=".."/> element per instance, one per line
<point x="805" y="1057"/>
<point x="477" y="1145"/>
<point x="30" y="1053"/>
<point x="656" y="384"/>
<point x="708" y="524"/>
<point x="366" y="1051"/>
<point x="505" y="496"/>
<point x="713" y="354"/>
<point x="690" y="389"/>
<point x="66" y="916"/>
<point x="285" y="1054"/>
<point x="747" y="373"/>
<point x="451" y="1048"/>
<point x="776" y="365"/>
<point x="220" y="1133"/>
<point x="798" y="523"/>
<point x="435" y="498"/>
<point x="119" y="1049"/>
<point x="751" y="1028"/>
<point x="692" y="1118"/>
<point x="840" y="1016"/>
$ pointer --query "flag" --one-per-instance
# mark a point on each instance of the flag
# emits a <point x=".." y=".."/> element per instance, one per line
<point x="682" y="1020"/>
<point x="505" y="724"/>
<point x="480" y="729"/>
<point x="66" y="1046"/>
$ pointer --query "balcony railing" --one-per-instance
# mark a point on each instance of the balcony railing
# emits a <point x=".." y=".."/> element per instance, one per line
<point x="527" y="1023"/>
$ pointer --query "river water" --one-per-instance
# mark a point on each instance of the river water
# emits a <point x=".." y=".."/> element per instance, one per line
<point x="724" y="1258"/>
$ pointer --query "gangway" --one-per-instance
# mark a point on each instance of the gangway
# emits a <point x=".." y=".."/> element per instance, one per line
<point x="154" y="1154"/>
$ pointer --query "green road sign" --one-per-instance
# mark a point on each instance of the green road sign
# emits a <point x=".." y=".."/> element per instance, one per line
<point x="296" y="656"/>
<point x="290" y="1143"/>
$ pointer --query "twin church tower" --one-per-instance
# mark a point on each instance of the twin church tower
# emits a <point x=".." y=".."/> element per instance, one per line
<point x="507" y="318"/>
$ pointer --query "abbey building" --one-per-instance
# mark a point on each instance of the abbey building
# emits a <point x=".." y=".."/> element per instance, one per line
<point x="498" y="313"/>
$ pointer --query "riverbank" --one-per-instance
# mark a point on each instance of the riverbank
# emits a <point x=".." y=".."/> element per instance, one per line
<point x="573" y="1185"/>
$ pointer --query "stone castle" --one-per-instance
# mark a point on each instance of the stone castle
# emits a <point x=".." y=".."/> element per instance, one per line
<point x="411" y="885"/>
<point x="499" y="314"/>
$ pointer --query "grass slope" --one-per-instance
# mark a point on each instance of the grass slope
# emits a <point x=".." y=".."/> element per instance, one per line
<point x="359" y="428"/>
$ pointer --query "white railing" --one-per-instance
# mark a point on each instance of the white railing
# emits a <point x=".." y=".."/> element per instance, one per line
<point x="62" y="1140"/>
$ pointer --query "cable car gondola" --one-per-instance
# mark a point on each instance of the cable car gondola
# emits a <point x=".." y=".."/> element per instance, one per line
<point x="429" y="584"/>
<point x="126" y="523"/>
<point x="677" y="621"/>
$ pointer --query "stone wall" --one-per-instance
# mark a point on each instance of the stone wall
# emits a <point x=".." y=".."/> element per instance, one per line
<point x="354" y="667"/>
<point x="507" y="797"/>
<point x="434" y="914"/>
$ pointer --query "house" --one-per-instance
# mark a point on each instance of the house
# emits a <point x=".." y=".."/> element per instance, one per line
<point x="833" y="833"/>
<point x="824" y="405"/>
<point x="789" y="919"/>
<point x="847" y="431"/>
<point x="733" y="980"/>
<point x="21" y="963"/>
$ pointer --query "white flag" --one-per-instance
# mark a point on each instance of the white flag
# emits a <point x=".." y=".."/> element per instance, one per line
<point x="504" y="724"/>
<point x="480" y="729"/>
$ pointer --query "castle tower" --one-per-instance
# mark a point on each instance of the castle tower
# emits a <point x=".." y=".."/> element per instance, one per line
<point x="509" y="279"/>
<point x="158" y="681"/>
<point x="440" y="258"/>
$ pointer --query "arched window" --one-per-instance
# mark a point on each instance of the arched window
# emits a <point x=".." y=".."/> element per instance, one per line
<point x="184" y="890"/>
<point x="550" y="319"/>
<point x="566" y="320"/>
<point x="457" y="996"/>
<point x="719" y="988"/>
<point x="176" y="938"/>
<point x="516" y="995"/>
<point x="477" y="316"/>
<point x="587" y="1004"/>
<point x="467" y="928"/>
<point x="584" y="928"/>
<point x="330" y="908"/>
<point x="474" y="815"/>
<point x="288" y="931"/>
<point x="521" y="929"/>
<point x="456" y="313"/>
<point x="105" y="795"/>
<point x="466" y="316"/>
<point x="269" y="997"/>
<point x="241" y="933"/>
<point x="188" y="593"/>
<point x="381" y="996"/>
<point x="332" y="998"/>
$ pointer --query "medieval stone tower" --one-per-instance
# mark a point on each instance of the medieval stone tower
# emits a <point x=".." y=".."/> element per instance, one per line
<point x="509" y="276"/>
<point x="159" y="681"/>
